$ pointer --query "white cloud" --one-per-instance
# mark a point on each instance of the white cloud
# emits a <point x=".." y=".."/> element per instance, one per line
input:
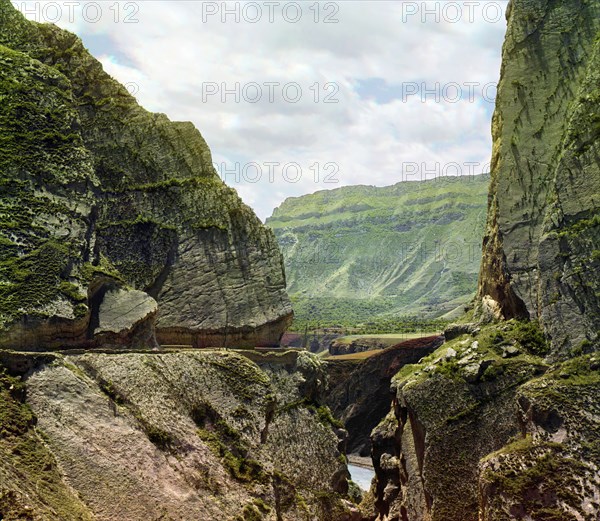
<point x="172" y="55"/>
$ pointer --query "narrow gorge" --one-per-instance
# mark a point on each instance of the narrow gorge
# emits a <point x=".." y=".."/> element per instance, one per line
<point x="142" y="307"/>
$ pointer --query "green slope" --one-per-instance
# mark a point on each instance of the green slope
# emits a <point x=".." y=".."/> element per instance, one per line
<point x="364" y="253"/>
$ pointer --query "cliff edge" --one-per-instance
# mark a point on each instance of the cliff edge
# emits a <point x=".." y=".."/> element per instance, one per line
<point x="541" y="254"/>
<point x="107" y="210"/>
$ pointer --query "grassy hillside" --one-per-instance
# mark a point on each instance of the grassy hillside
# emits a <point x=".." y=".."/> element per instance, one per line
<point x="366" y="254"/>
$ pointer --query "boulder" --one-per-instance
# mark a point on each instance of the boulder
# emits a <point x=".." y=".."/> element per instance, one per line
<point x="127" y="318"/>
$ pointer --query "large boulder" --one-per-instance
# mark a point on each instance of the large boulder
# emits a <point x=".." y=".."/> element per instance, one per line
<point x="127" y="318"/>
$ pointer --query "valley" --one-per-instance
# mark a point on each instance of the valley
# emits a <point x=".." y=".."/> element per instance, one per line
<point x="372" y="257"/>
<point x="425" y="351"/>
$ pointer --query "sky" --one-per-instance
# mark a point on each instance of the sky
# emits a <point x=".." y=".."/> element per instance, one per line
<point x="295" y="97"/>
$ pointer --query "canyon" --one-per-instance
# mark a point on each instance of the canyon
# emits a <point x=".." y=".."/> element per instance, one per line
<point x="142" y="303"/>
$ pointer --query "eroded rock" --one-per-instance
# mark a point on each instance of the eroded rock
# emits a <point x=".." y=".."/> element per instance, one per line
<point x="105" y="192"/>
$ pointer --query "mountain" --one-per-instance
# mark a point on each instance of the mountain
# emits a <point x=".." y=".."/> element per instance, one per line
<point x="115" y="234"/>
<point x="114" y="225"/>
<point x="361" y="252"/>
<point x="502" y="422"/>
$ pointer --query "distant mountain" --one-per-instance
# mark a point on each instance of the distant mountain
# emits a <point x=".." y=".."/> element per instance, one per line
<point x="360" y="253"/>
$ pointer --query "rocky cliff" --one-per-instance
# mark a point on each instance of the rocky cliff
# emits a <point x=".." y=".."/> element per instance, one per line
<point x="541" y="256"/>
<point x="485" y="430"/>
<point x="107" y="210"/>
<point x="359" y="253"/>
<point x="187" y="435"/>
<point x="359" y="390"/>
<point x="501" y="422"/>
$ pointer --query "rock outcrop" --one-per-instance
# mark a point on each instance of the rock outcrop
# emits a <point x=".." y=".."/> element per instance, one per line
<point x="99" y="195"/>
<point x="190" y="435"/>
<point x="501" y="422"/>
<point x="541" y="255"/>
<point x="485" y="429"/>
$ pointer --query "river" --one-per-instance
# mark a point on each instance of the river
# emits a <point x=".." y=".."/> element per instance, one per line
<point x="361" y="476"/>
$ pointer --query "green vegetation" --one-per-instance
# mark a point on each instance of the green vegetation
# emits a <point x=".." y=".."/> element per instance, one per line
<point x="250" y="513"/>
<point x="33" y="280"/>
<point x="525" y="334"/>
<point x="355" y="316"/>
<point x="240" y="374"/>
<point x="322" y="412"/>
<point x="15" y="418"/>
<point x="492" y="341"/>
<point x="542" y="483"/>
<point x="325" y="417"/>
<point x="161" y="438"/>
<point x="26" y="463"/>
<point x="226" y="443"/>
<point x="363" y="254"/>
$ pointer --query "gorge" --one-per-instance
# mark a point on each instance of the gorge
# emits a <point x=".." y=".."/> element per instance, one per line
<point x="136" y="287"/>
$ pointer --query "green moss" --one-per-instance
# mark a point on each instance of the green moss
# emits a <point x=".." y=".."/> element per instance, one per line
<point x="26" y="463"/>
<point x="188" y="182"/>
<point x="240" y="374"/>
<point x="250" y="513"/>
<point x="254" y="511"/>
<point x="227" y="444"/>
<point x="262" y="506"/>
<point x="517" y="445"/>
<point x="15" y="418"/>
<point x="527" y="334"/>
<point x="139" y="220"/>
<point x="71" y="291"/>
<point x="530" y="336"/>
<point x="75" y="370"/>
<point x="109" y="389"/>
<point x="549" y="471"/>
<point x="33" y="280"/>
<point x="103" y="267"/>
<point x="573" y="374"/>
<point x="580" y="227"/>
<point x="465" y="413"/>
<point x="325" y="417"/>
<point x="159" y="437"/>
<point x="80" y="310"/>
<point x="449" y="369"/>
<point x="492" y="372"/>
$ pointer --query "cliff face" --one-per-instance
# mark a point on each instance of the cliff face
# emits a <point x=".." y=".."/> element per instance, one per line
<point x="338" y="272"/>
<point x="193" y="435"/>
<point x="359" y="391"/>
<point x="109" y="211"/>
<point x="485" y="430"/>
<point x="501" y="422"/>
<point x="541" y="250"/>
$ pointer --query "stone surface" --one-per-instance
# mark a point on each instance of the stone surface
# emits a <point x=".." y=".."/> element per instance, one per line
<point x="541" y="250"/>
<point x="551" y="469"/>
<point x="121" y="310"/>
<point x="484" y="437"/>
<point x="98" y="192"/>
<point x="190" y="435"/>
<point x="454" y="330"/>
<point x="442" y="422"/>
<point x="127" y="318"/>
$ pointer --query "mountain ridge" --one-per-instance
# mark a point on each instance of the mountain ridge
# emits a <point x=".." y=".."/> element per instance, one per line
<point x="111" y="198"/>
<point x="403" y="249"/>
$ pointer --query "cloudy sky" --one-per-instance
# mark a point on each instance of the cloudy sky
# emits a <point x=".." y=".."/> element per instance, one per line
<point x="295" y="97"/>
